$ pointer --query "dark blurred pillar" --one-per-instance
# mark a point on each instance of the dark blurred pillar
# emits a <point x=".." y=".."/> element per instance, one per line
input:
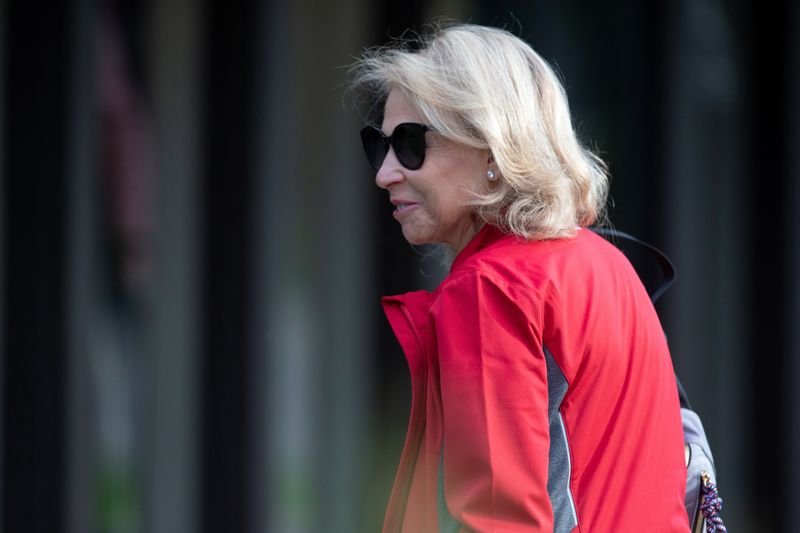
<point x="629" y="77"/>
<point x="768" y="32"/>
<point x="80" y="273"/>
<point x="225" y="403"/>
<point x="175" y="64"/>
<point x="37" y="56"/>
<point x="707" y="222"/>
<point x="312" y="315"/>
<point x="3" y="222"/>
<point x="791" y="317"/>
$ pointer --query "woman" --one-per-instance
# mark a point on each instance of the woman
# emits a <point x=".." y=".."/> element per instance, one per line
<point x="543" y="395"/>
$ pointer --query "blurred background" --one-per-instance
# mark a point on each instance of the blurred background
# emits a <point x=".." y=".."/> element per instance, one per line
<point x="192" y="249"/>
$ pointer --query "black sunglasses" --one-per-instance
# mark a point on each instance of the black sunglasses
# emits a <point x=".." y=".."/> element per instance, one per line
<point x="407" y="139"/>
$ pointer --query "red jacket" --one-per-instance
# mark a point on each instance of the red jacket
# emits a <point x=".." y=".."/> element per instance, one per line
<point x="543" y="395"/>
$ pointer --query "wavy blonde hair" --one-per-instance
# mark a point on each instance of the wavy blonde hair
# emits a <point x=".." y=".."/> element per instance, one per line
<point x="483" y="87"/>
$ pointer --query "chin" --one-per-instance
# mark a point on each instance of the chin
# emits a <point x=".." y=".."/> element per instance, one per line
<point x="413" y="240"/>
<point x="415" y="237"/>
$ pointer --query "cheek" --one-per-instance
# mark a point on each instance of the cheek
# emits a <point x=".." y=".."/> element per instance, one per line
<point x="450" y="210"/>
<point x="449" y="187"/>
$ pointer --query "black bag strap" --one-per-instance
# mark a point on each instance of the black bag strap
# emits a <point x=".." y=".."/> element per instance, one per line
<point x="668" y="277"/>
<point x="667" y="268"/>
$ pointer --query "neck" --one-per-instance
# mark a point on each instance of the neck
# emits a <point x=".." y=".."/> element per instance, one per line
<point x="458" y="244"/>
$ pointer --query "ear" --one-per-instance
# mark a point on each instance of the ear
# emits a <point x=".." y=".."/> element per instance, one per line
<point x="491" y="158"/>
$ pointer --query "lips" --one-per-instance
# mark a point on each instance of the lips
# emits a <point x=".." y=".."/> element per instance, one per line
<point x="402" y="206"/>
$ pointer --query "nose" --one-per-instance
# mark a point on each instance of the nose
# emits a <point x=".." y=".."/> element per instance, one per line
<point x="391" y="171"/>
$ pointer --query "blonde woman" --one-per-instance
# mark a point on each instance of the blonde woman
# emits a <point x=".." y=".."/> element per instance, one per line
<point x="543" y="394"/>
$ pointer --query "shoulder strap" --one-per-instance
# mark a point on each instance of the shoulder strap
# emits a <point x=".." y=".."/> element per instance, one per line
<point x="667" y="268"/>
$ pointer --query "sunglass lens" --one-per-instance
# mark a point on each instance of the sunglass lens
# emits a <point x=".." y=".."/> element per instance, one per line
<point x="375" y="147"/>
<point x="408" y="141"/>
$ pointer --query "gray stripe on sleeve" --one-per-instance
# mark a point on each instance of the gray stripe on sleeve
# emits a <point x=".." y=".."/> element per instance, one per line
<point x="447" y="524"/>
<point x="559" y="469"/>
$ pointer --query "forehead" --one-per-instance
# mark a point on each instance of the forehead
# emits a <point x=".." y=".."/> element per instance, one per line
<point x="398" y="109"/>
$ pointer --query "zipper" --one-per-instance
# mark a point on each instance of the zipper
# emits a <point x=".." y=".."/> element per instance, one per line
<point x="699" y="519"/>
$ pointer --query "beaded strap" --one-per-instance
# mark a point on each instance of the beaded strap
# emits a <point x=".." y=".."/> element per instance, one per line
<point x="711" y="506"/>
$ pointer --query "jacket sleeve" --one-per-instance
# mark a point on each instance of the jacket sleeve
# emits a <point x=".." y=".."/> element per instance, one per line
<point x="493" y="379"/>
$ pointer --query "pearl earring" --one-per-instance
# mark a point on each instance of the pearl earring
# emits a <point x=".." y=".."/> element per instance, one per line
<point x="490" y="175"/>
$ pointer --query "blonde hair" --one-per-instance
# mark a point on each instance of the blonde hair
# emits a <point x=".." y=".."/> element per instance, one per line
<point x="484" y="87"/>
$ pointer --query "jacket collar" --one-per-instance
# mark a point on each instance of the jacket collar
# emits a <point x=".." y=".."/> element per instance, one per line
<point x="485" y="237"/>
